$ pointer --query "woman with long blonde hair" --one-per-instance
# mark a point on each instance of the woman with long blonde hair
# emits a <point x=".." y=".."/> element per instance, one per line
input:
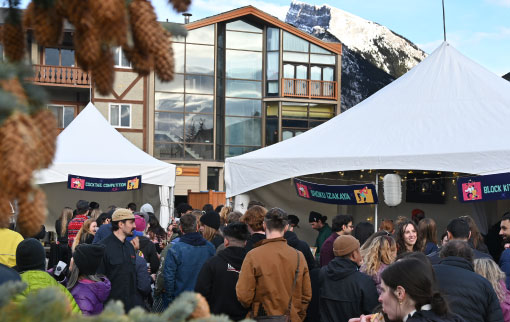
<point x="224" y="214"/>
<point x="209" y="226"/>
<point x="381" y="253"/>
<point x="61" y="224"/>
<point x="491" y="271"/>
<point x="85" y="234"/>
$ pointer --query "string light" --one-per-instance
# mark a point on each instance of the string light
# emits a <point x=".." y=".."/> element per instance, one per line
<point x="454" y="197"/>
<point x="443" y="193"/>
<point x="410" y="171"/>
<point x="425" y="172"/>
<point x="433" y="181"/>
<point x="423" y="189"/>
<point x="361" y="176"/>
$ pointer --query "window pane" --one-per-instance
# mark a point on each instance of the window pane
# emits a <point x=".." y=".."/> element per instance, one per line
<point x="302" y="72"/>
<point x="272" y="88"/>
<point x="294" y="43"/>
<point x="297" y="110"/>
<point x="242" y="131"/>
<point x="199" y="84"/>
<point x="322" y="59"/>
<point x="319" y="50"/>
<point x="169" y="102"/>
<point x="199" y="128"/>
<point x="232" y="151"/>
<point x="51" y="56"/>
<point x="315" y="73"/>
<point x="271" y="123"/>
<point x="240" y="88"/>
<point x="200" y="59"/>
<point x="178" y="57"/>
<point x="327" y="74"/>
<point x="177" y="85"/>
<point x="243" y="40"/>
<point x="67" y="57"/>
<point x="168" y="127"/>
<point x="322" y="111"/>
<point x="116" y="55"/>
<point x="273" y="39"/>
<point x="288" y="71"/>
<point x="125" y="62"/>
<point x="295" y="123"/>
<point x="244" y="64"/>
<point x="114" y="115"/>
<point x="125" y="115"/>
<point x="198" y="151"/>
<point x="272" y="65"/>
<point x="68" y="115"/>
<point x="295" y="57"/>
<point x="242" y="26"/>
<point x="199" y="103"/>
<point x="168" y="151"/>
<point x="243" y="107"/>
<point x="204" y="35"/>
<point x="57" y="112"/>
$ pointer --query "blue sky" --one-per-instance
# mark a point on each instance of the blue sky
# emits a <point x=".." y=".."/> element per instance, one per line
<point x="480" y="29"/>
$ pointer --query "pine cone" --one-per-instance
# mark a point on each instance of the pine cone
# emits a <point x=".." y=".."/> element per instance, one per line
<point x="47" y="25"/>
<point x="32" y="212"/>
<point x="142" y="63"/>
<point x="164" y="62"/>
<point x="28" y="16"/>
<point x="88" y="47"/>
<point x="180" y="5"/>
<point x="147" y="32"/>
<point x="13" y="39"/>
<point x="46" y="125"/>
<point x="5" y="211"/>
<point x="110" y="16"/>
<point x="14" y="87"/>
<point x="19" y="153"/>
<point x="103" y="73"/>
<point x="202" y="309"/>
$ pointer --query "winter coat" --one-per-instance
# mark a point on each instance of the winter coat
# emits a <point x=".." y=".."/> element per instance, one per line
<point x="376" y="277"/>
<point x="252" y="242"/>
<point x="469" y="295"/>
<point x="266" y="278"/>
<point x="504" y="263"/>
<point x="217" y="282"/>
<point x="217" y="240"/>
<point x="91" y="295"/>
<point x="104" y="231"/>
<point x="313" y="310"/>
<point x="430" y="247"/>
<point x="183" y="263"/>
<point x="149" y="253"/>
<point x="324" y="233"/>
<point x="429" y="316"/>
<point x="326" y="253"/>
<point x="345" y="291"/>
<point x="37" y="280"/>
<point x="435" y="258"/>
<point x="143" y="282"/>
<point x="505" y="304"/>
<point x="302" y="246"/>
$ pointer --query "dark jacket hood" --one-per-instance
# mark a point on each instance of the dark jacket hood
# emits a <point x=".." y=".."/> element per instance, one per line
<point x="457" y="262"/>
<point x="233" y="255"/>
<point x="291" y="238"/>
<point x="339" y="268"/>
<point x="193" y="239"/>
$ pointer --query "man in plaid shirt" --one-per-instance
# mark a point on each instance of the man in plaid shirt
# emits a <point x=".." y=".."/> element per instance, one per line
<point x="74" y="226"/>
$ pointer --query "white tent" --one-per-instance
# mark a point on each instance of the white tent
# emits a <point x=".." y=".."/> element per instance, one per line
<point x="447" y="114"/>
<point x="91" y="147"/>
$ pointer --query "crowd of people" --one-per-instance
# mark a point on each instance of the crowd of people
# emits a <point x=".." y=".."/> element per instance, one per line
<point x="254" y="264"/>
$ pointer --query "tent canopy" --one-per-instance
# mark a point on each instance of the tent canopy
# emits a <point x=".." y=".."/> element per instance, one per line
<point x="446" y="114"/>
<point x="91" y="147"/>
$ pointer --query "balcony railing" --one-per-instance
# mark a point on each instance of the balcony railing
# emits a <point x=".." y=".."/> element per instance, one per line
<point x="60" y="76"/>
<point x="292" y="87"/>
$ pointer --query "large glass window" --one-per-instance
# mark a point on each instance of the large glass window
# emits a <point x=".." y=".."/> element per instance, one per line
<point x="177" y="85"/>
<point x="273" y="39"/>
<point x="197" y="84"/>
<point x="322" y="59"/>
<point x="244" y="41"/>
<point x="242" y="88"/>
<point x="244" y="64"/>
<point x="120" y="59"/>
<point x="240" y="25"/>
<point x="199" y="59"/>
<point x="169" y="102"/>
<point x="120" y="115"/>
<point x="203" y="35"/>
<point x="178" y="50"/>
<point x="272" y="123"/>
<point x="294" y="43"/>
<point x="63" y="114"/>
<point x="241" y="130"/>
<point x="299" y="117"/>
<point x="59" y="57"/>
<point x="243" y="107"/>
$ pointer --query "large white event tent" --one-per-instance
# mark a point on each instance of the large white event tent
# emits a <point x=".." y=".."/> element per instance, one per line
<point x="89" y="146"/>
<point x="446" y="114"/>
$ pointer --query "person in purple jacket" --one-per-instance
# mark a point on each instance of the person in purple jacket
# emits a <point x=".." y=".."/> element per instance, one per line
<point x="88" y="289"/>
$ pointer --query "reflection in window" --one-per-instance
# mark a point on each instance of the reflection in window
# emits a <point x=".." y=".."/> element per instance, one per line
<point x="244" y="64"/>
<point x="272" y="65"/>
<point x="120" y="115"/>
<point x="294" y="43"/>
<point x="199" y="103"/>
<point x="242" y="131"/>
<point x="198" y="128"/>
<point x="199" y="59"/>
<point x="297" y="57"/>
<point x="67" y="57"/>
<point x="322" y="59"/>
<point x="271" y="123"/>
<point x="232" y="151"/>
<point x="51" y="56"/>
<point x="204" y="35"/>
<point x="168" y="127"/>
<point x="328" y="74"/>
<point x="198" y="151"/>
<point x="169" y="102"/>
<point x="241" y="88"/>
<point x="63" y="114"/>
<point x="168" y="151"/>
<point x="178" y="50"/>
<point x="240" y="25"/>
<point x="273" y="39"/>
<point x="243" y="40"/>
<point x="119" y="58"/>
<point x="319" y="50"/>
<point x="243" y="107"/>
<point x="199" y="84"/>
<point x="177" y="85"/>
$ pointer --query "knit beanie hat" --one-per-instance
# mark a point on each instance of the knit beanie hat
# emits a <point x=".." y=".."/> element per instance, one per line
<point x="139" y="222"/>
<point x="211" y="219"/>
<point x="87" y="257"/>
<point x="30" y="255"/>
<point x="344" y="245"/>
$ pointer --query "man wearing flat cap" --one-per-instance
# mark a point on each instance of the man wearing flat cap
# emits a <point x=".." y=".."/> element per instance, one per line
<point x="119" y="259"/>
<point x="345" y="291"/>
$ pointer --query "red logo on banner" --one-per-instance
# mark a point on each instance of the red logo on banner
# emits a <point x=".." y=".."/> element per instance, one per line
<point x="303" y="190"/>
<point x="472" y="191"/>
<point x="77" y="183"/>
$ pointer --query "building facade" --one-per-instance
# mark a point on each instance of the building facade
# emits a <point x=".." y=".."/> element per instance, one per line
<point x="243" y="80"/>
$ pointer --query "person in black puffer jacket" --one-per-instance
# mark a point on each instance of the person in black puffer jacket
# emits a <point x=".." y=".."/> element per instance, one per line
<point x="218" y="277"/>
<point x="469" y="295"/>
<point x="294" y="242"/>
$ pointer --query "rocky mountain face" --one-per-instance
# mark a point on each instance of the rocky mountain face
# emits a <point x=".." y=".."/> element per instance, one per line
<point x="373" y="55"/>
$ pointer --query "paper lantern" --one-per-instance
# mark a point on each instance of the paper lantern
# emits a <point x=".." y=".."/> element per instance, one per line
<point x="392" y="190"/>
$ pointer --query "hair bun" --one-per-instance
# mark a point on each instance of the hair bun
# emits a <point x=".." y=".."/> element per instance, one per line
<point x="324" y="218"/>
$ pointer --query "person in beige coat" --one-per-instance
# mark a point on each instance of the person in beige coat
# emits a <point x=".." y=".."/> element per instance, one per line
<point x="267" y="274"/>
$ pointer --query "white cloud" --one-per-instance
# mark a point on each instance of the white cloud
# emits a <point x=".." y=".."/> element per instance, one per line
<point x="504" y="3"/>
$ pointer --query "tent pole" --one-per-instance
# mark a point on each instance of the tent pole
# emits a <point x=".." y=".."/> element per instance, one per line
<point x="171" y="202"/>
<point x="444" y="24"/>
<point x="377" y="192"/>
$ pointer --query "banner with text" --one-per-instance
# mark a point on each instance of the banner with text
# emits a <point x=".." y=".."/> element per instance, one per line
<point x="483" y="188"/>
<point x="359" y="194"/>
<point x="102" y="184"/>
